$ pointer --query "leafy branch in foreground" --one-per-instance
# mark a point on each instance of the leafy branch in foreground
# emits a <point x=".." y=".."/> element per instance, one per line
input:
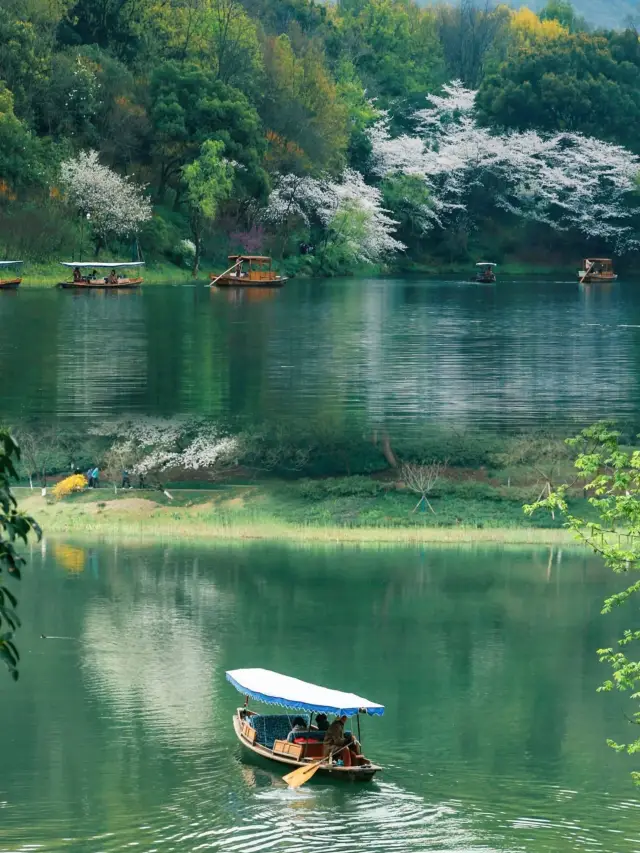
<point x="611" y="482"/>
<point x="14" y="526"/>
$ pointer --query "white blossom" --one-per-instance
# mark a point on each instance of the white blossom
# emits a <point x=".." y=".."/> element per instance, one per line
<point x="160" y="444"/>
<point x="565" y="180"/>
<point x="328" y="201"/>
<point x="114" y="204"/>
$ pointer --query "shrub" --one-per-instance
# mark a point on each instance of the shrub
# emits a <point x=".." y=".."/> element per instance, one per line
<point x="340" y="487"/>
<point x="66" y="487"/>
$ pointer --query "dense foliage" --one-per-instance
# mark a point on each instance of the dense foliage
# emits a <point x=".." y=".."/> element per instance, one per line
<point x="271" y="125"/>
<point x="609" y="473"/>
<point x="14" y="526"/>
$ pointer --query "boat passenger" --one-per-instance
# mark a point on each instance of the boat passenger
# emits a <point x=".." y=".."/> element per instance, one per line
<point x="335" y="738"/>
<point x="77" y="275"/>
<point x="322" y="722"/>
<point x="113" y="277"/>
<point x="94" y="275"/>
<point x="299" y="726"/>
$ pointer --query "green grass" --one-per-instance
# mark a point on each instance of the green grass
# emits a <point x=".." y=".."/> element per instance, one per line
<point x="355" y="509"/>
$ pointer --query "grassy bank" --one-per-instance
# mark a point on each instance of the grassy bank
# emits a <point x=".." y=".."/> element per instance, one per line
<point x="293" y="511"/>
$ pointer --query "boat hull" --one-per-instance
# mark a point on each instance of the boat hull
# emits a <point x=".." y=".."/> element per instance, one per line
<point x="123" y="284"/>
<point x="10" y="283"/>
<point x="234" y="281"/>
<point x="484" y="279"/>
<point x="592" y="278"/>
<point x="355" y="774"/>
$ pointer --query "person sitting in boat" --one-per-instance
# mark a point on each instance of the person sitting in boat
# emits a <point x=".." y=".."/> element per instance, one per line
<point x="77" y="275"/>
<point x="113" y="277"/>
<point x="299" y="726"/>
<point x="94" y="275"/>
<point x="335" y="738"/>
<point x="322" y="722"/>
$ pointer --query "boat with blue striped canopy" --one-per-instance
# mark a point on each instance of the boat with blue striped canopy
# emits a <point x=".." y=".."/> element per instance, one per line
<point x="271" y="735"/>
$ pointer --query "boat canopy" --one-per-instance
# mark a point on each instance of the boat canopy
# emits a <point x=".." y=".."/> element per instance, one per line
<point x="10" y="263"/>
<point x="260" y="258"/>
<point x="486" y="264"/>
<point x="276" y="689"/>
<point x="111" y="265"/>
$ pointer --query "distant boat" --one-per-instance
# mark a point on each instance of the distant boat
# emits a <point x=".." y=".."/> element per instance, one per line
<point x="15" y="280"/>
<point x="596" y="269"/>
<point x="85" y="275"/>
<point x="248" y="271"/>
<point x="485" y="274"/>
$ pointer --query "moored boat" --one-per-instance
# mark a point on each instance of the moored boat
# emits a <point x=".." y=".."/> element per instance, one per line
<point x="248" y="271"/>
<point x="271" y="736"/>
<point x="12" y="279"/>
<point x="486" y="273"/>
<point x="596" y="269"/>
<point x="85" y="275"/>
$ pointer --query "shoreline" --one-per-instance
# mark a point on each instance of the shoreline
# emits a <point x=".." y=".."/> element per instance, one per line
<point x="239" y="518"/>
<point x="47" y="275"/>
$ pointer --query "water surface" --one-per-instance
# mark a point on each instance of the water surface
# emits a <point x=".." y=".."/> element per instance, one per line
<point x="356" y="354"/>
<point x="492" y="740"/>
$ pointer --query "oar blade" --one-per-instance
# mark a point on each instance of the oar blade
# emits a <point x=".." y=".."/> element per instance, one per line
<point x="302" y="774"/>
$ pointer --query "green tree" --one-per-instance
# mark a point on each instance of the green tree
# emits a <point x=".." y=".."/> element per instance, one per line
<point x="301" y="107"/>
<point x="20" y="161"/>
<point x="209" y="181"/>
<point x="578" y="82"/>
<point x="14" y="526"/>
<point x="188" y="107"/>
<point x="407" y="198"/>
<point x="610" y="476"/>
<point x="396" y="52"/>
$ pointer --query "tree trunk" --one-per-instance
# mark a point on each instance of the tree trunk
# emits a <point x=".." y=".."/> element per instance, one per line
<point x="197" y="239"/>
<point x="31" y="482"/>
<point x="388" y="452"/>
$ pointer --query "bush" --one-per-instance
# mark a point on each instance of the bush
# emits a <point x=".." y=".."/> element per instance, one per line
<point x="66" y="487"/>
<point x="340" y="487"/>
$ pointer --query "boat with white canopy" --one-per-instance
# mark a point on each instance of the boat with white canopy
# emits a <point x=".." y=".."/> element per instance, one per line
<point x="486" y="272"/>
<point x="272" y="736"/>
<point x="86" y="275"/>
<point x="13" y="280"/>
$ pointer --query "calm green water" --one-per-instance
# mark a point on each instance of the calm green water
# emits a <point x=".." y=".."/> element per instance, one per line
<point x="355" y="354"/>
<point x="493" y="739"/>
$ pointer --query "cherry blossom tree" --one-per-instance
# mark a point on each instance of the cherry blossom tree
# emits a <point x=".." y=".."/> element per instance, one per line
<point x="154" y="445"/>
<point x="349" y="210"/>
<point x="565" y="180"/>
<point x="114" y="205"/>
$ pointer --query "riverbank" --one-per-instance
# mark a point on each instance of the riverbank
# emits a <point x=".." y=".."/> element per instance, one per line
<point x="44" y="275"/>
<point x="286" y="512"/>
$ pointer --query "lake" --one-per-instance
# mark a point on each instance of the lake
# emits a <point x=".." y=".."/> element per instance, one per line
<point x="354" y="354"/>
<point x="493" y="738"/>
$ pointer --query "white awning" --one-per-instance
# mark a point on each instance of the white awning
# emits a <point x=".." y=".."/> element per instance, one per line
<point x="486" y="264"/>
<point x="276" y="689"/>
<point x="10" y="263"/>
<point x="110" y="265"/>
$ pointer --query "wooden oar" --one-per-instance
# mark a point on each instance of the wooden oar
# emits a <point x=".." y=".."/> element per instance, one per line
<point x="211" y="283"/>
<point x="586" y="273"/>
<point x="302" y="774"/>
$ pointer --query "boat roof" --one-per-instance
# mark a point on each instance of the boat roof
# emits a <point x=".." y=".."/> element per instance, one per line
<point x="276" y="689"/>
<point x="250" y="257"/>
<point x="602" y="260"/>
<point x="9" y="263"/>
<point x="486" y="264"/>
<point x="111" y="264"/>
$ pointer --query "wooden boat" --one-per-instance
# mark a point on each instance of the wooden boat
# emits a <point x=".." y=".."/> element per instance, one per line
<point x="596" y="269"/>
<point x="248" y="271"/>
<point x="485" y="274"/>
<point x="266" y="735"/>
<point x="13" y="280"/>
<point x="85" y="275"/>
